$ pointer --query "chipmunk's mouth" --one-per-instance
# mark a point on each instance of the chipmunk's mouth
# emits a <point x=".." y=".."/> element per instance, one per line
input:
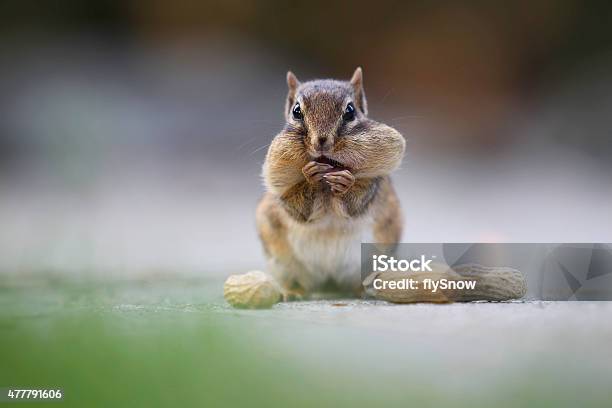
<point x="336" y="164"/>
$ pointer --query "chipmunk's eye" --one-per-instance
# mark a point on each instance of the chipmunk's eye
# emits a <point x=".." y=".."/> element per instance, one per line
<point x="297" y="112"/>
<point x="349" y="112"/>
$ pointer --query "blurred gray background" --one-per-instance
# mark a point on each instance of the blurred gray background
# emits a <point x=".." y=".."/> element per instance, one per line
<point x="132" y="134"/>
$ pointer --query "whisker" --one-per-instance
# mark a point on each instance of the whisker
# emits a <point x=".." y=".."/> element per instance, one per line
<point x="253" y="120"/>
<point x="410" y="117"/>
<point x="262" y="147"/>
<point x="249" y="141"/>
<point x="385" y="96"/>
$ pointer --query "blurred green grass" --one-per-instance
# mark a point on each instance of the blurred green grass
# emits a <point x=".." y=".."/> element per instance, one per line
<point x="154" y="351"/>
<point x="167" y="343"/>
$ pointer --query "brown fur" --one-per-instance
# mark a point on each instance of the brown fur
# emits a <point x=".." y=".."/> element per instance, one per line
<point x="369" y="150"/>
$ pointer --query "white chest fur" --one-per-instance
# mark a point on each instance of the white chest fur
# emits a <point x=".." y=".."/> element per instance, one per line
<point x="330" y="248"/>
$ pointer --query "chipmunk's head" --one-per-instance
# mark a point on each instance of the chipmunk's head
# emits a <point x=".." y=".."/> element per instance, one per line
<point x="323" y="113"/>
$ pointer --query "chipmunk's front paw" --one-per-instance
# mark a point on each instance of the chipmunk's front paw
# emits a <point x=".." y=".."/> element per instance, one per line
<point x="314" y="171"/>
<point x="340" y="181"/>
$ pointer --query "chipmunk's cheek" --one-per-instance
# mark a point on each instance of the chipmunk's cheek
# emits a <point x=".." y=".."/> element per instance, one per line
<point x="346" y="155"/>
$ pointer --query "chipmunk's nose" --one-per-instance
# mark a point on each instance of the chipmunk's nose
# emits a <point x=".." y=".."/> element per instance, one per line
<point x="322" y="143"/>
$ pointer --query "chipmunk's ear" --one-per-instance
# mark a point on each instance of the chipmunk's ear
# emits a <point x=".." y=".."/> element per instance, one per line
<point x="292" y="84"/>
<point x="357" y="84"/>
<point x="292" y="81"/>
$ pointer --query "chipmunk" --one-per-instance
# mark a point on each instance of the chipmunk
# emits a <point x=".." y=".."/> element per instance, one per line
<point x="328" y="188"/>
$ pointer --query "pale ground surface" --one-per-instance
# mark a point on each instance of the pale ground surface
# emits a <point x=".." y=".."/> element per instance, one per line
<point x="449" y="346"/>
<point x="469" y="350"/>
